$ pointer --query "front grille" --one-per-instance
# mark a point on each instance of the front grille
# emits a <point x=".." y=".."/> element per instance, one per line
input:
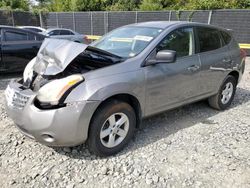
<point x="15" y="98"/>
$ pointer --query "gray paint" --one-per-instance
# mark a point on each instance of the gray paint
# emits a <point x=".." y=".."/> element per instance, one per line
<point x="157" y="88"/>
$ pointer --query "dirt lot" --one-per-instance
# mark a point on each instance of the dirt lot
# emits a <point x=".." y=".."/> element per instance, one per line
<point x="192" y="146"/>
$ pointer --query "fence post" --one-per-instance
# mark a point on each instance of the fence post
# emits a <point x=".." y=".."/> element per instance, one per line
<point x="91" y="23"/>
<point x="136" y="16"/>
<point x="74" y="21"/>
<point x="40" y="19"/>
<point x="13" y="21"/>
<point x="210" y="17"/>
<point x="170" y="14"/>
<point x="106" y="22"/>
<point x="57" y="21"/>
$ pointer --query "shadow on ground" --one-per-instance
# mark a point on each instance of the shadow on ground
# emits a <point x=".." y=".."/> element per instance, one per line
<point x="5" y="79"/>
<point x="167" y="123"/>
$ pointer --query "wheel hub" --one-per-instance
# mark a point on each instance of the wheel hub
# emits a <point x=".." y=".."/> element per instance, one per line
<point x="114" y="130"/>
<point x="227" y="93"/>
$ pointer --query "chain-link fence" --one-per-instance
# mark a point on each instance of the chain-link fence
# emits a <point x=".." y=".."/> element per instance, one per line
<point x="99" y="23"/>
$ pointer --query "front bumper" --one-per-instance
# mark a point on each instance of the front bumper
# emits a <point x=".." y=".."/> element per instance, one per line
<point x="65" y="126"/>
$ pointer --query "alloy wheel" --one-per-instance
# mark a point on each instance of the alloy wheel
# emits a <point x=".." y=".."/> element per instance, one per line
<point x="114" y="130"/>
<point x="227" y="93"/>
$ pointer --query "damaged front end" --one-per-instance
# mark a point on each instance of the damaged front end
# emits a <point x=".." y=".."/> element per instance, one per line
<point x="36" y="103"/>
<point x="59" y="67"/>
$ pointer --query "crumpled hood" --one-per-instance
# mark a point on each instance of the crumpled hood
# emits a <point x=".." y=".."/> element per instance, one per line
<point x="55" y="55"/>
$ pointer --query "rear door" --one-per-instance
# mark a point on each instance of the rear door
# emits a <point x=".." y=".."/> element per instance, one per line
<point x="215" y="59"/>
<point x="18" y="48"/>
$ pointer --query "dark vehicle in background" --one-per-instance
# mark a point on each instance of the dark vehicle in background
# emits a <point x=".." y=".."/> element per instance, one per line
<point x="67" y="34"/>
<point x="17" y="48"/>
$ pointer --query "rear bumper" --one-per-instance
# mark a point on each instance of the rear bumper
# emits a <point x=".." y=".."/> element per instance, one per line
<point x="65" y="126"/>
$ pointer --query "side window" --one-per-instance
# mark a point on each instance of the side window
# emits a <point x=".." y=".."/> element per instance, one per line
<point x="65" y="32"/>
<point x="226" y="37"/>
<point x="15" y="36"/>
<point x="54" y="32"/>
<point x="209" y="39"/>
<point x="180" y="40"/>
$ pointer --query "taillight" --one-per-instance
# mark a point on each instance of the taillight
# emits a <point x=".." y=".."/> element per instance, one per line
<point x="243" y="53"/>
<point x="86" y="39"/>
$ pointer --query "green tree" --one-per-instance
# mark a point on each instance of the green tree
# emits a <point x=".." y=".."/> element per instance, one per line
<point x="86" y="5"/>
<point x="151" y="5"/>
<point x="15" y="4"/>
<point x="123" y="5"/>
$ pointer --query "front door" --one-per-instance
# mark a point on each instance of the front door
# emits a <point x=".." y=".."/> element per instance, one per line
<point x="171" y="84"/>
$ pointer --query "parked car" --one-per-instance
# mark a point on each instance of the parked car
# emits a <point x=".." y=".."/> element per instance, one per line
<point x="34" y="29"/>
<point x="67" y="34"/>
<point x="72" y="93"/>
<point x="18" y="47"/>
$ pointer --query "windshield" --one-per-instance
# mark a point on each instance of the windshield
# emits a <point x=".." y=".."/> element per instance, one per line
<point x="127" y="41"/>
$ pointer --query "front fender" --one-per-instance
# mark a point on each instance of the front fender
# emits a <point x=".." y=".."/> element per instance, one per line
<point x="100" y="89"/>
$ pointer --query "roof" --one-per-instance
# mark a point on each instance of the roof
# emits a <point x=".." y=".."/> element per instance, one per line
<point x="17" y="28"/>
<point x="158" y="24"/>
<point x="55" y="28"/>
<point x="6" y="26"/>
<point x="166" y="24"/>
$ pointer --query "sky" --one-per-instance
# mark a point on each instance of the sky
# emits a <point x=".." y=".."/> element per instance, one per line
<point x="34" y="2"/>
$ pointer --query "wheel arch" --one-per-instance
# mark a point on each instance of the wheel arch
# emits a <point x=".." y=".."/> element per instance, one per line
<point x="125" y="97"/>
<point x="235" y="74"/>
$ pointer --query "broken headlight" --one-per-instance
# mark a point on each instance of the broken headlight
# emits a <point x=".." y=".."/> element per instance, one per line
<point x="28" y="72"/>
<point x="53" y="91"/>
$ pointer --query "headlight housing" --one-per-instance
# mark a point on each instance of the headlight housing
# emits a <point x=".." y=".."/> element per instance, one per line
<point x="53" y="91"/>
<point x="28" y="71"/>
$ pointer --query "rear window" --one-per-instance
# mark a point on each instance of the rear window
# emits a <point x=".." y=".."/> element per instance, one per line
<point x="226" y="37"/>
<point x="209" y="39"/>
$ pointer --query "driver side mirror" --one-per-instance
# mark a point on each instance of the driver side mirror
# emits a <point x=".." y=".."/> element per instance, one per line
<point x="163" y="56"/>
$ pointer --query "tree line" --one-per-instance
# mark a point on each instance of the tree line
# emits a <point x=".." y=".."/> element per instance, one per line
<point x="121" y="5"/>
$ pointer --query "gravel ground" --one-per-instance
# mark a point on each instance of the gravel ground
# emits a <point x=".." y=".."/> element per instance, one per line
<point x="192" y="146"/>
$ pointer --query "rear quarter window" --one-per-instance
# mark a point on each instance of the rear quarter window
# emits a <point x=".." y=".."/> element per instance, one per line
<point x="209" y="39"/>
<point x="226" y="37"/>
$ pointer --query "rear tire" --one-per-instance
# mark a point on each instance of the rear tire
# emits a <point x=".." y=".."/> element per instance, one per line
<point x="111" y="128"/>
<point x="225" y="96"/>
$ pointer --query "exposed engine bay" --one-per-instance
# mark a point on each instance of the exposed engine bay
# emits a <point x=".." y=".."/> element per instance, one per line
<point x="58" y="59"/>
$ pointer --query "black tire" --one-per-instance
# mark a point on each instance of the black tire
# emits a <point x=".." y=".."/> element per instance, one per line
<point x="94" y="142"/>
<point x="216" y="100"/>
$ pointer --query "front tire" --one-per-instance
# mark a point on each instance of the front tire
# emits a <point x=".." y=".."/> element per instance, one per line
<point x="225" y="96"/>
<point x="111" y="128"/>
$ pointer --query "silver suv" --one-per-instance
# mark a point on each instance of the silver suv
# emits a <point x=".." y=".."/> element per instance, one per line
<point x="71" y="93"/>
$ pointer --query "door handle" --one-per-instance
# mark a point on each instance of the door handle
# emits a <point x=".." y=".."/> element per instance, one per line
<point x="193" y="68"/>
